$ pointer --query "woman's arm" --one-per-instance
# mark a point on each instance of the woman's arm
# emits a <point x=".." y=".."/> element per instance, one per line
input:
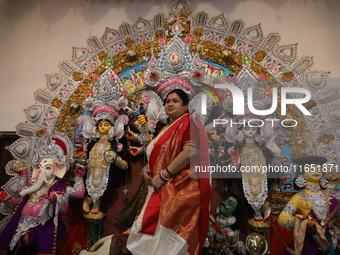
<point x="177" y="165"/>
<point x="182" y="159"/>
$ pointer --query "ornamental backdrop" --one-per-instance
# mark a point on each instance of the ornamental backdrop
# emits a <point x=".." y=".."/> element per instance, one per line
<point x="132" y="66"/>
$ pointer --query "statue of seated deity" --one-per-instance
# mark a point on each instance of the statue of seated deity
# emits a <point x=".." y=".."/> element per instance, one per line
<point x="312" y="212"/>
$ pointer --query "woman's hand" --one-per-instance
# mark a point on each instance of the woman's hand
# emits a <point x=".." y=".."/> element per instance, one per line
<point x="157" y="182"/>
<point x="146" y="174"/>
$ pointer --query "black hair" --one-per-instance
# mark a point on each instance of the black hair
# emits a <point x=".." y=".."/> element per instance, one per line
<point x="182" y="95"/>
<point x="302" y="162"/>
<point x="104" y="120"/>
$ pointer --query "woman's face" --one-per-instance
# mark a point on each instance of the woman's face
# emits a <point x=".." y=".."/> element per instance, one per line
<point x="104" y="127"/>
<point x="249" y="132"/>
<point x="174" y="106"/>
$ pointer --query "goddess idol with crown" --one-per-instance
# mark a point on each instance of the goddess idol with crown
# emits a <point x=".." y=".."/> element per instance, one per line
<point x="253" y="146"/>
<point x="103" y="125"/>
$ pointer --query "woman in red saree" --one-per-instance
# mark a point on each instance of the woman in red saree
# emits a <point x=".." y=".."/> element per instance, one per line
<point x="175" y="216"/>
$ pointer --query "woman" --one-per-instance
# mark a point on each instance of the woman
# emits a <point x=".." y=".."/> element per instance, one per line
<point x="175" y="216"/>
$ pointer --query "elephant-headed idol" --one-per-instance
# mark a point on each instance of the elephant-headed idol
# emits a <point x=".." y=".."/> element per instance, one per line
<point x="34" y="226"/>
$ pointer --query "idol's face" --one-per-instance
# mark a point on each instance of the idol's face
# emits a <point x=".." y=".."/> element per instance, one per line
<point x="47" y="166"/>
<point x="228" y="206"/>
<point x="313" y="173"/>
<point x="249" y="132"/>
<point x="104" y="127"/>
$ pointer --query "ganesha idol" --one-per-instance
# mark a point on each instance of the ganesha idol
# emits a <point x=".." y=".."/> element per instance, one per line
<point x="34" y="226"/>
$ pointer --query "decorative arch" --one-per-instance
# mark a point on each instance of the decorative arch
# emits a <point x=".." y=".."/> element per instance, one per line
<point x="226" y="47"/>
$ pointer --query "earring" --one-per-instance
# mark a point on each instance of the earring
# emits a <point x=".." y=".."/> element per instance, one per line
<point x="240" y="137"/>
<point x="300" y="181"/>
<point x="323" y="183"/>
<point x="111" y="133"/>
<point x="94" y="134"/>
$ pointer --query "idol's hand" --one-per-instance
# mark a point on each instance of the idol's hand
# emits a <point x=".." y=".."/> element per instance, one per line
<point x="274" y="149"/>
<point x="53" y="196"/>
<point x="142" y="119"/>
<point x="298" y="216"/>
<point x="130" y="135"/>
<point x="310" y="223"/>
<point x="157" y="182"/>
<point x="134" y="151"/>
<point x="213" y="134"/>
<point x="4" y="196"/>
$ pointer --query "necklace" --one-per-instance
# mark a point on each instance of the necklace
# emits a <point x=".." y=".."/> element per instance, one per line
<point x="250" y="140"/>
<point x="36" y="196"/>
<point x="313" y="187"/>
<point x="319" y="203"/>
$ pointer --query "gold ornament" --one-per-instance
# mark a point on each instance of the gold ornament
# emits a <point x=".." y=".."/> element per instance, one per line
<point x="40" y="133"/>
<point x="129" y="42"/>
<point x="57" y="103"/>
<point x="255" y="192"/>
<point x="229" y="41"/>
<point x="77" y="76"/>
<point x="76" y="248"/>
<point x="36" y="198"/>
<point x="310" y="104"/>
<point x="325" y="138"/>
<point x="199" y="32"/>
<point x="259" y="56"/>
<point x="288" y="76"/>
<point x="102" y="55"/>
<point x="159" y="34"/>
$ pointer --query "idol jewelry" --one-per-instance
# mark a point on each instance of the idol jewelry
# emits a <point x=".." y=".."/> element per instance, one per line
<point x="313" y="188"/>
<point x="323" y="182"/>
<point x="300" y="181"/>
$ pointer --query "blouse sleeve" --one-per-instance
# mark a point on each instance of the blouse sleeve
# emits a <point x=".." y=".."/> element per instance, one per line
<point x="190" y="136"/>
